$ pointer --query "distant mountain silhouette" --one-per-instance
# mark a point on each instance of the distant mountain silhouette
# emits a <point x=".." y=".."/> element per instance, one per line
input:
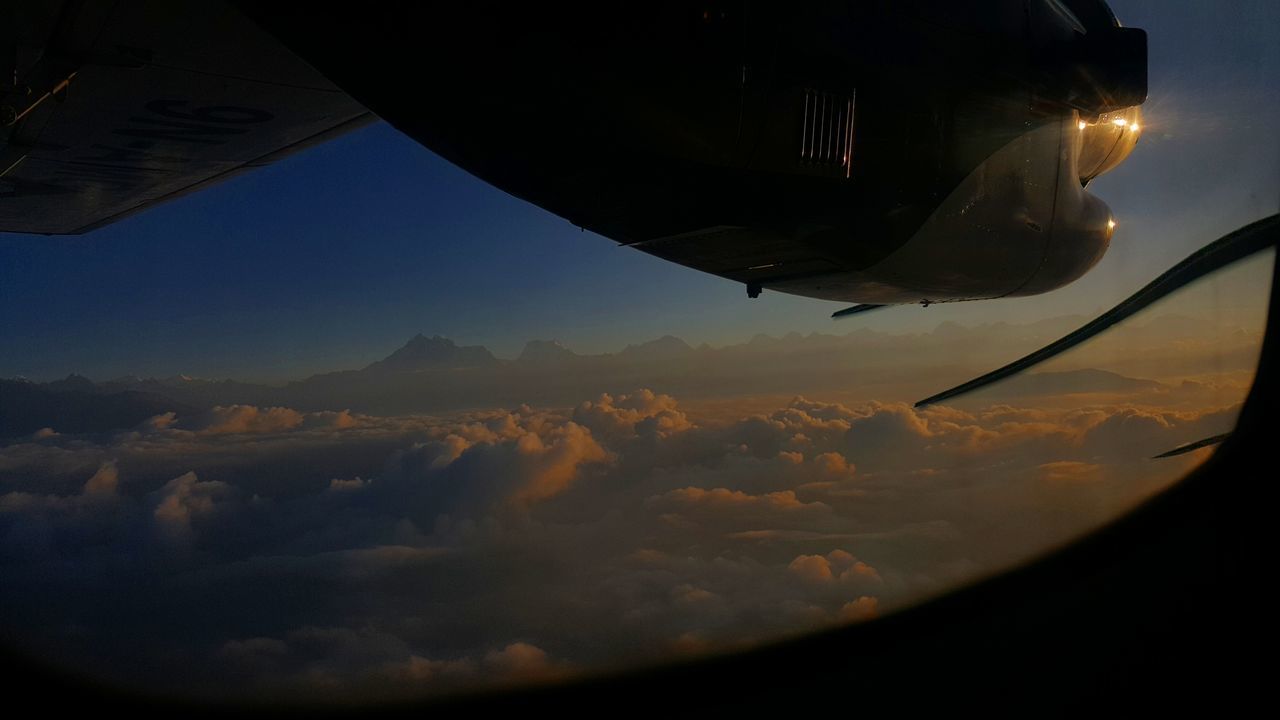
<point x="77" y="406"/>
<point x="72" y="382"/>
<point x="664" y="348"/>
<point x="433" y="353"/>
<point x="545" y="352"/>
<point x="196" y="392"/>
<point x="434" y="374"/>
<point x="1090" y="380"/>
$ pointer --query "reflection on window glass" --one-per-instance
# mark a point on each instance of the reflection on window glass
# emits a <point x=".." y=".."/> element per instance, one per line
<point x="361" y="426"/>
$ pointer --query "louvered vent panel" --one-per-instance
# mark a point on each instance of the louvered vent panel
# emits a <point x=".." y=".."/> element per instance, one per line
<point x="826" y="137"/>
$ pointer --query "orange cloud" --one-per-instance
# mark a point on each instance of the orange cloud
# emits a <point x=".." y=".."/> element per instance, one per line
<point x="246" y="419"/>
<point x="836" y="565"/>
<point x="864" y="608"/>
<point x="1070" y="471"/>
<point x="641" y="413"/>
<point x="811" y="568"/>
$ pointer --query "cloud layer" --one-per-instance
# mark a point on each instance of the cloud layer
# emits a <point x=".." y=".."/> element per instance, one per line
<point x="270" y="551"/>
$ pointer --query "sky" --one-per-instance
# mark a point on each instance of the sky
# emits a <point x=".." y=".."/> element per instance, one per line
<point x="332" y="258"/>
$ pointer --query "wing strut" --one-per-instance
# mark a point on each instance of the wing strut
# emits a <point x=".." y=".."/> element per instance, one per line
<point x="1193" y="446"/>
<point x="1218" y="254"/>
<point x="856" y="310"/>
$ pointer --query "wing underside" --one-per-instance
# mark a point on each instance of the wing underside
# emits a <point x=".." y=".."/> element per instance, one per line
<point x="121" y="106"/>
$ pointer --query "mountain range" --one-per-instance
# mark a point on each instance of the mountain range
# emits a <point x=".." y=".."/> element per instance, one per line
<point x="434" y="374"/>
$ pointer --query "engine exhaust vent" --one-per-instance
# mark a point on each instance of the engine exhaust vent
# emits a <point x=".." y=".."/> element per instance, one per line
<point x="826" y="136"/>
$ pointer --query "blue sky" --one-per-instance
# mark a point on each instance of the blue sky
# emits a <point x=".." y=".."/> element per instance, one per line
<point x="333" y="258"/>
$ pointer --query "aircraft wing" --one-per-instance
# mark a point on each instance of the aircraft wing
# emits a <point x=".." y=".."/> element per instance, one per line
<point x="121" y="106"/>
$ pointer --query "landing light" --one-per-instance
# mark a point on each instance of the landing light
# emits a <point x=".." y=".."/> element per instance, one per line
<point x="1111" y="224"/>
<point x="1083" y="124"/>
<point x="1120" y="121"/>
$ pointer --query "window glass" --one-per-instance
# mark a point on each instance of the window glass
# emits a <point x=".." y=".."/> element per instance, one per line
<point x="360" y="426"/>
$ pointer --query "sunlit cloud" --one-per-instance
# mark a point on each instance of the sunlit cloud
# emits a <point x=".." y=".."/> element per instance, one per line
<point x="439" y="552"/>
